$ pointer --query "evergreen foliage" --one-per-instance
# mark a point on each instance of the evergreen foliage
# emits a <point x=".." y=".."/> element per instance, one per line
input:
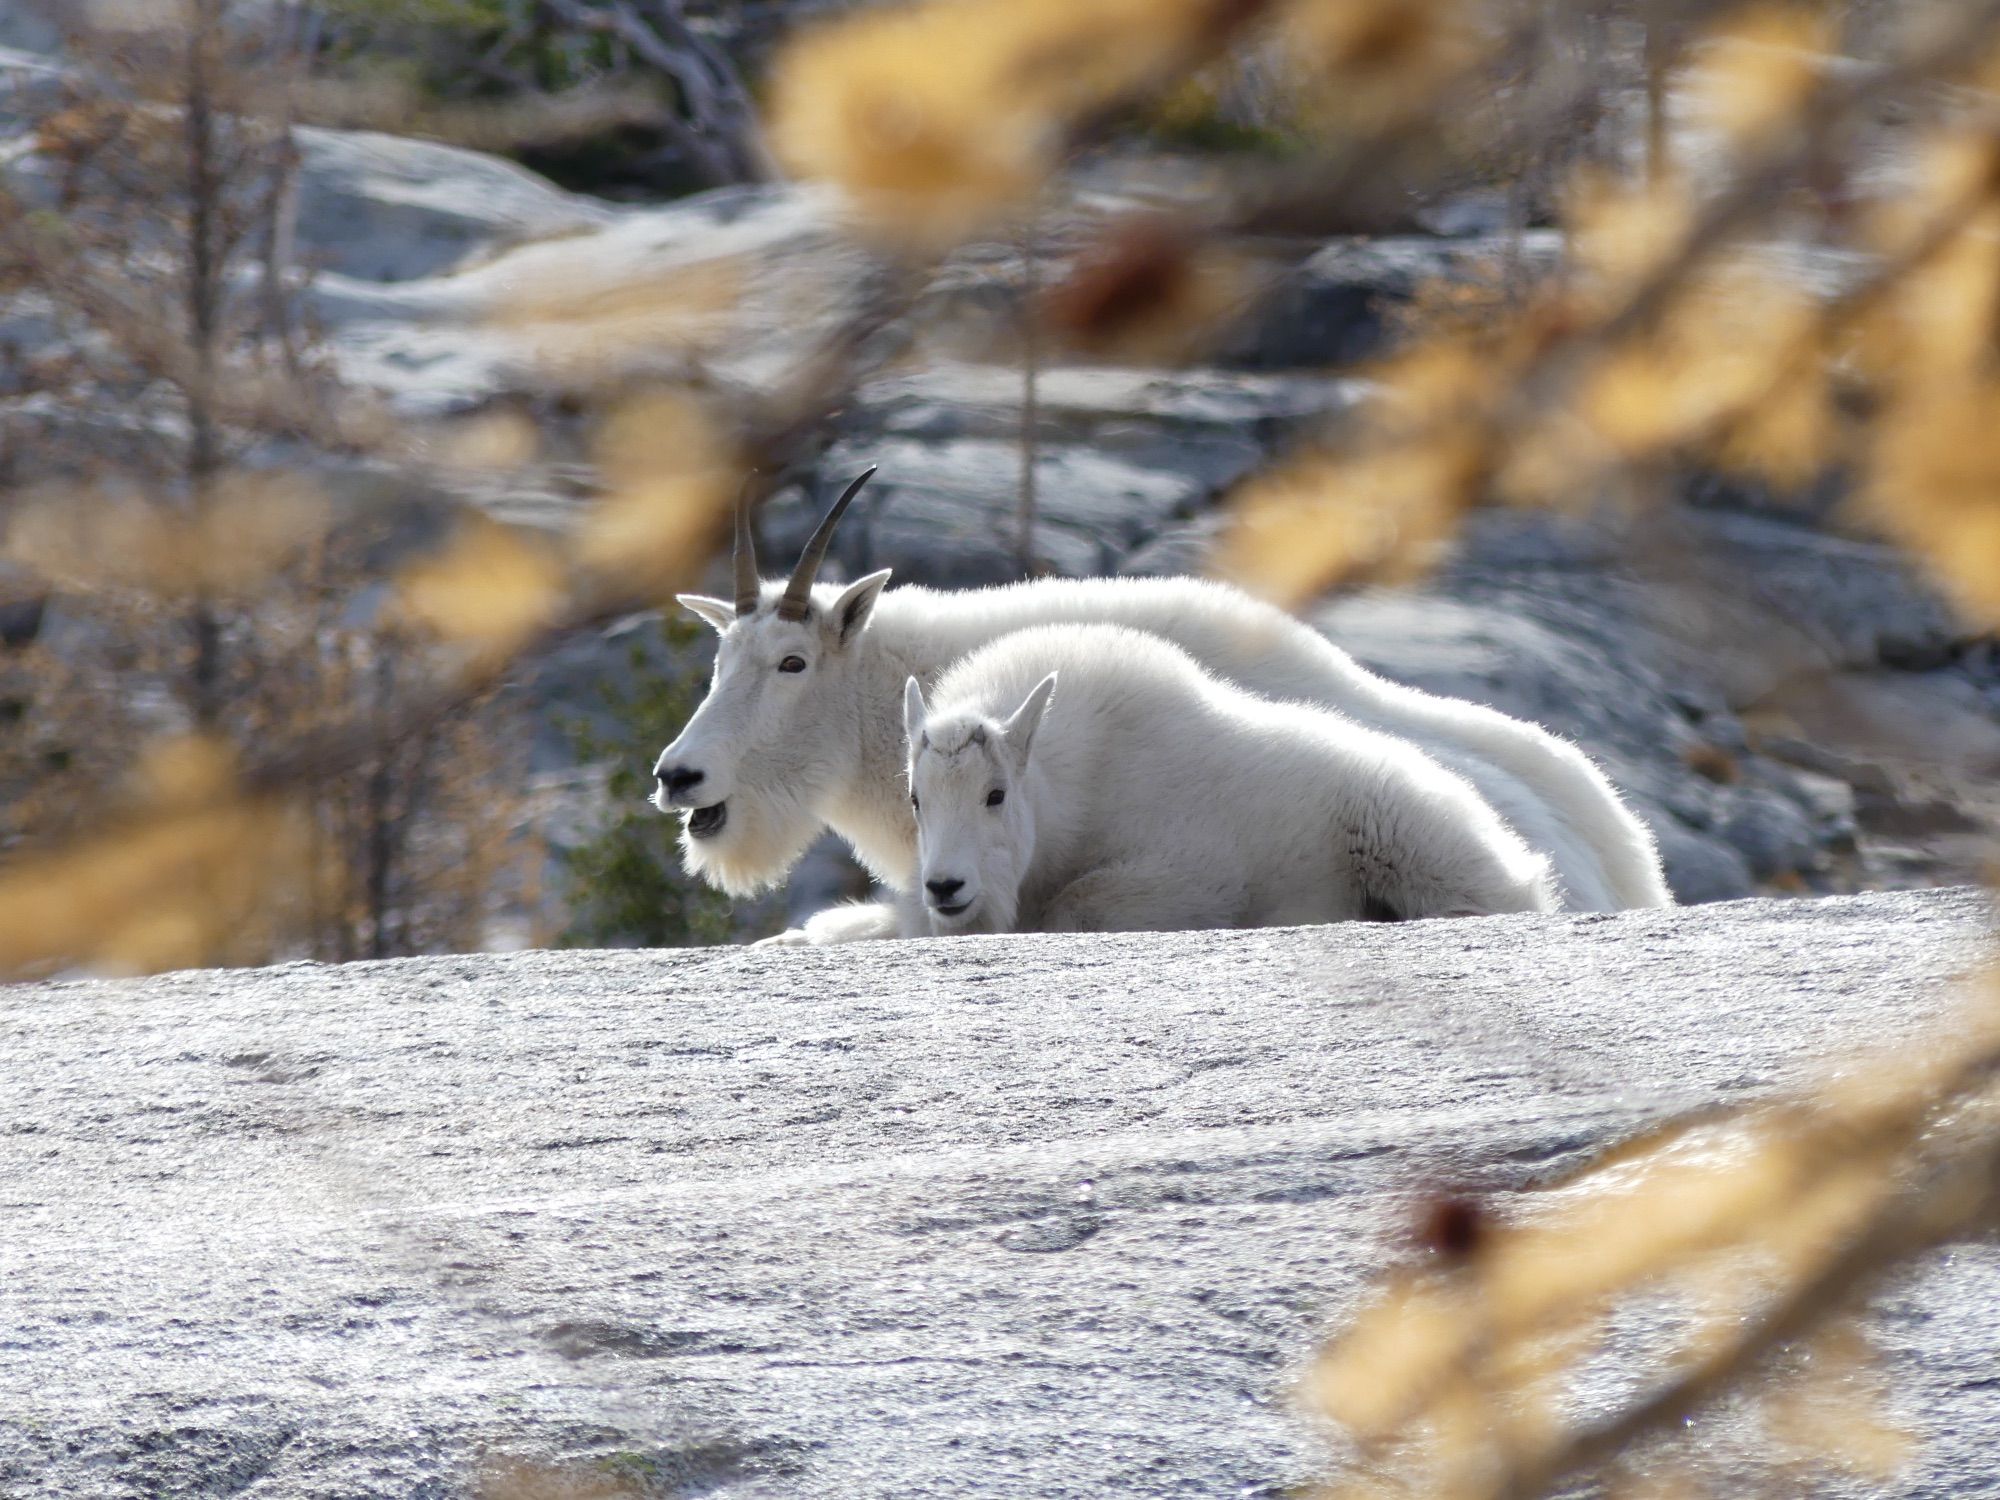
<point x="624" y="886"/>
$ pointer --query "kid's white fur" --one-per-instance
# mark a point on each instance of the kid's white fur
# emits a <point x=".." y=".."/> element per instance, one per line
<point x="1093" y="778"/>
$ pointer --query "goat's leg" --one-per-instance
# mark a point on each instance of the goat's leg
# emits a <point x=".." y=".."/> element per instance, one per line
<point x="1446" y="867"/>
<point x="855" y="922"/>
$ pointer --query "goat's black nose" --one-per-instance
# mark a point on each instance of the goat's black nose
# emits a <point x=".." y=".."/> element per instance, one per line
<point x="944" y="890"/>
<point x="679" y="779"/>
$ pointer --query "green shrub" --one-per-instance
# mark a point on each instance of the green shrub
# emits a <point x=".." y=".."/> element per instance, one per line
<point x="433" y="44"/>
<point x="623" y="885"/>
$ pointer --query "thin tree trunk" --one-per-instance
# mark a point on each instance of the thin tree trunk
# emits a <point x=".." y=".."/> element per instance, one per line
<point x="1514" y="245"/>
<point x="297" y="43"/>
<point x="203" y="299"/>
<point x="380" y="816"/>
<point x="720" y="137"/>
<point x="1031" y="362"/>
<point x="1659" y="60"/>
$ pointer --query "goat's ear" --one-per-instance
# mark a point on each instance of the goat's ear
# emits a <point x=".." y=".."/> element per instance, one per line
<point x="856" y="602"/>
<point x="1020" y="728"/>
<point x="913" y="709"/>
<point x="719" y="614"/>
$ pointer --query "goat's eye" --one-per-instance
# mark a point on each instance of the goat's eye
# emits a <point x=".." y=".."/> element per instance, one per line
<point x="913" y="803"/>
<point x="792" y="664"/>
<point x="995" y="797"/>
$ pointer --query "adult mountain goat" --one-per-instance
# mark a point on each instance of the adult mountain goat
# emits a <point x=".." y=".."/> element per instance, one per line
<point x="802" y="726"/>
<point x="1151" y="796"/>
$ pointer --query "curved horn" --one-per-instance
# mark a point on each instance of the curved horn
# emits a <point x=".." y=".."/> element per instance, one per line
<point x="798" y="592"/>
<point x="747" y="585"/>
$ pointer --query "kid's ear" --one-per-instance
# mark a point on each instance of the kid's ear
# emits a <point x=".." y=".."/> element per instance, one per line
<point x="855" y="604"/>
<point x="719" y="614"/>
<point x="913" y="710"/>
<point x="1020" y="728"/>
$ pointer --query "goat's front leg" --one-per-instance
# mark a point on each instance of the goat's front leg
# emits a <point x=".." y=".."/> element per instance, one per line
<point x="1125" y="897"/>
<point x="855" y="922"/>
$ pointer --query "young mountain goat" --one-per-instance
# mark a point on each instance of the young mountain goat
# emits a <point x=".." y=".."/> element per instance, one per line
<point x="801" y="730"/>
<point x="1152" y="796"/>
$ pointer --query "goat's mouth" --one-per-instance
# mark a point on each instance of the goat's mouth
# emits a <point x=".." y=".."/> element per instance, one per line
<point x="958" y="909"/>
<point x="706" y="822"/>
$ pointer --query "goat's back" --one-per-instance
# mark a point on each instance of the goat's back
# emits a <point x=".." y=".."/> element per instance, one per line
<point x="1144" y="753"/>
<point x="1547" y="788"/>
<point x="1146" y="758"/>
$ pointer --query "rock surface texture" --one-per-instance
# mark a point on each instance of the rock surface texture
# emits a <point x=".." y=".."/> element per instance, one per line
<point x="988" y="1217"/>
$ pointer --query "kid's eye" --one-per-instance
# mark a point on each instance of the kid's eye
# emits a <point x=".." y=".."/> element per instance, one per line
<point x="995" y="797"/>
<point x="792" y="664"/>
<point x="913" y="803"/>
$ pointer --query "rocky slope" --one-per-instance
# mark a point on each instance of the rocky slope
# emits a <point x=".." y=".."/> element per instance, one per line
<point x="988" y="1217"/>
<point x="1785" y="703"/>
<point x="1749" y="671"/>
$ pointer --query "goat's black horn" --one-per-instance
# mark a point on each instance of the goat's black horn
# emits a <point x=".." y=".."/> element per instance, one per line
<point x="798" y="592"/>
<point x="747" y="586"/>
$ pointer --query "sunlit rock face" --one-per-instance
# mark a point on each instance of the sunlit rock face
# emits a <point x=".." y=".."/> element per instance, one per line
<point x="27" y="28"/>
<point x="1685" y="682"/>
<point x="1756" y="709"/>
<point x="1051" y="1216"/>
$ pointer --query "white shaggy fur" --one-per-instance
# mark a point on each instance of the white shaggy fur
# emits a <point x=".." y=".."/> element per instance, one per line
<point x="786" y="754"/>
<point x="1091" y="778"/>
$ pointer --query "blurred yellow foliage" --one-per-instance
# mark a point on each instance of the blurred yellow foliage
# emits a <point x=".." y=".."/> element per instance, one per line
<point x="1730" y="340"/>
<point x="1372" y="516"/>
<point x="1766" y="1223"/>
<point x="940" y="118"/>
<point x="1932" y="484"/>
<point x="1753" y="71"/>
<point x="491" y="590"/>
<point x="1831" y="1409"/>
<point x="1376" y="509"/>
<point x="581" y="326"/>
<point x="1147" y="295"/>
<point x="246" y="526"/>
<point x="186" y="877"/>
<point x="1361" y="66"/>
<point x="1621" y="232"/>
<point x="496" y="441"/>
<point x="1936" y="322"/>
<point x="670" y="478"/>
<point x="1788" y="435"/>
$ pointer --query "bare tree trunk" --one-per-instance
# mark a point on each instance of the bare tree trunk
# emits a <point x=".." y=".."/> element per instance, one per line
<point x="1031" y="362"/>
<point x="721" y="97"/>
<point x="418" y="895"/>
<point x="719" y="136"/>
<point x="1521" y="176"/>
<point x="1598" y="59"/>
<point x="298" y="40"/>
<point x="1659" y="60"/>
<point x="203" y="303"/>
<point x="1514" y="253"/>
<point x="380" y="832"/>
